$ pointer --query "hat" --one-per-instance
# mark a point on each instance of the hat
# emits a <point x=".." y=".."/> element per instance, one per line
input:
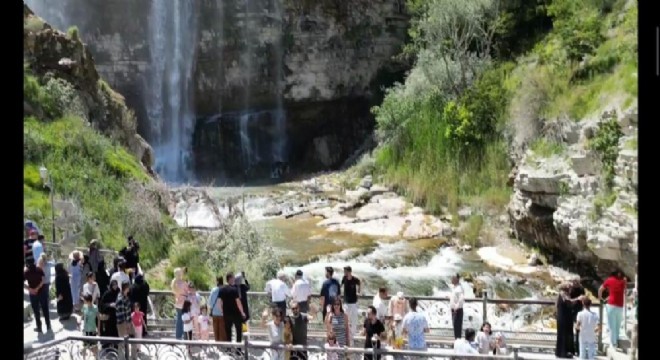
<point x="397" y="317"/>
<point x="299" y="273"/>
<point x="33" y="232"/>
<point x="399" y="294"/>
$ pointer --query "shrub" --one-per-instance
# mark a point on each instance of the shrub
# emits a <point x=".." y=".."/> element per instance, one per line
<point x="606" y="144"/>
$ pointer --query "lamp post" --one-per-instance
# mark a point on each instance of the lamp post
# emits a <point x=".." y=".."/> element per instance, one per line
<point x="48" y="181"/>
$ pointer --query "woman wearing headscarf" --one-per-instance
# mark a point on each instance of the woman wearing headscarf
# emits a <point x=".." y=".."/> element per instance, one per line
<point x="243" y="286"/>
<point x="63" y="292"/>
<point x="140" y="294"/>
<point x="180" y="291"/>
<point x="75" y="269"/>
<point x="564" y="347"/>
<point x="102" y="278"/>
<point x="107" y="313"/>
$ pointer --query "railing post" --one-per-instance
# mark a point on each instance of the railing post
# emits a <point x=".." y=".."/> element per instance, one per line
<point x="245" y="345"/>
<point x="126" y="348"/>
<point x="516" y="349"/>
<point x="485" y="305"/>
<point x="600" y="333"/>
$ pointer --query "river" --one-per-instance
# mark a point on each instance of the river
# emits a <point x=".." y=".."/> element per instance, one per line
<point x="400" y="259"/>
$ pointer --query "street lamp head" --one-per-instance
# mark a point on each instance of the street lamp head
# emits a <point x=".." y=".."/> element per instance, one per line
<point x="43" y="173"/>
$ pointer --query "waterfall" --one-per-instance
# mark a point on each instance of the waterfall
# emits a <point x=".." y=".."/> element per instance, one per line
<point x="54" y="12"/>
<point x="279" y="143"/>
<point x="246" y="151"/>
<point x="172" y="39"/>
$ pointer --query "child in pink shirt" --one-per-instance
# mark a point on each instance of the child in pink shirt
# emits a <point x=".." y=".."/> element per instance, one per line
<point x="137" y="318"/>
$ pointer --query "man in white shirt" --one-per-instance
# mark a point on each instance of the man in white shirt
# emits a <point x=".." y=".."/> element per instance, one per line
<point x="380" y="303"/>
<point x="301" y="292"/>
<point x="587" y="322"/>
<point x="456" y="301"/>
<point x="278" y="291"/>
<point x="120" y="276"/>
<point x="464" y="346"/>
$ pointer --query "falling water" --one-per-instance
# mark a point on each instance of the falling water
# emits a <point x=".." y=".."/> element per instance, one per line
<point x="246" y="151"/>
<point x="279" y="143"/>
<point x="54" y="12"/>
<point x="169" y="102"/>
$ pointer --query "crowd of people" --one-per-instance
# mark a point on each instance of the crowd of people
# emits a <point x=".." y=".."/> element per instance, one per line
<point x="114" y="303"/>
<point x="107" y="302"/>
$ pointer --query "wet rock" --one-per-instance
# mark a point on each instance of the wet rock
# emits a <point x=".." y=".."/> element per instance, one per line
<point x="466" y="247"/>
<point x="273" y="211"/>
<point x="366" y="182"/>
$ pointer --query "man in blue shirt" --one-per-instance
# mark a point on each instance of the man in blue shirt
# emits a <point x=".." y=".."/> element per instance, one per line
<point x="215" y="306"/>
<point x="329" y="290"/>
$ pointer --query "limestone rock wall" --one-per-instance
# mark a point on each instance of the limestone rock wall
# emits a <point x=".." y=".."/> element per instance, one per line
<point x="560" y="204"/>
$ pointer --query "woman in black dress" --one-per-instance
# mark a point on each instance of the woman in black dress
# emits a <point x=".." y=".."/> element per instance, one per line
<point x="139" y="293"/>
<point x="63" y="292"/>
<point x="107" y="309"/>
<point x="565" y="346"/>
<point x="102" y="278"/>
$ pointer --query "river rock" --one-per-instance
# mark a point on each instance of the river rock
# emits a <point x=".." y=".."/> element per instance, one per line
<point x="366" y="182"/>
<point x="382" y="208"/>
<point x="272" y="211"/>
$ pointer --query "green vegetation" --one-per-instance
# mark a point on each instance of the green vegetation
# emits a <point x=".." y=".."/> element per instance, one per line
<point x="602" y="201"/>
<point x="631" y="144"/>
<point x="237" y="247"/>
<point x="471" y="231"/>
<point x="72" y="33"/>
<point x="606" y="144"/>
<point x="484" y="73"/>
<point x="112" y="194"/>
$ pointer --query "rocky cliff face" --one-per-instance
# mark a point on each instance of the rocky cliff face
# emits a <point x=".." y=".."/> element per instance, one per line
<point x="561" y="203"/>
<point x="66" y="68"/>
<point x="334" y="56"/>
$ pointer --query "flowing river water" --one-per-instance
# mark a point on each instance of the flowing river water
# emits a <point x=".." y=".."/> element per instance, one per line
<point x="415" y="266"/>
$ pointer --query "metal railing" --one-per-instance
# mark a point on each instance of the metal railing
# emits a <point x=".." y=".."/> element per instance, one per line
<point x="161" y="316"/>
<point x="84" y="347"/>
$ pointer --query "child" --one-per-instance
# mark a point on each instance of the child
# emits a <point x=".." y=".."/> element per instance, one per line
<point x="204" y="321"/>
<point x="90" y="321"/>
<point x="288" y="336"/>
<point x="137" y="318"/>
<point x="194" y="299"/>
<point x="331" y="344"/>
<point x="187" y="321"/>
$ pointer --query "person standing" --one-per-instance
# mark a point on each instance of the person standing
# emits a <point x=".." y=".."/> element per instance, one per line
<point x="564" y="347"/>
<point x="63" y="292"/>
<point x="336" y="322"/>
<point x="456" y="302"/>
<point x="415" y="326"/>
<point x="180" y="291"/>
<point x="586" y="324"/>
<point x="131" y="254"/>
<point x="91" y="288"/>
<point x="123" y="311"/>
<point x="380" y="303"/>
<point x="27" y="246"/>
<point x="38" y="295"/>
<point x="216" y="311"/>
<point x="301" y="292"/>
<point x="616" y="285"/>
<point x="38" y="247"/>
<point x="278" y="291"/>
<point x="351" y="286"/>
<point x="46" y="267"/>
<point x="575" y="293"/>
<point x="329" y="291"/>
<point x="374" y="332"/>
<point x="140" y="294"/>
<point x="120" y="275"/>
<point x="232" y="308"/>
<point x="243" y="286"/>
<point x="300" y="320"/>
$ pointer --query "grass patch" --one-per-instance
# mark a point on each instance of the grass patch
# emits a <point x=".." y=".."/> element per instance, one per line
<point x="602" y="202"/>
<point x="631" y="144"/>
<point x="471" y="230"/>
<point x="545" y="148"/>
<point x="106" y="182"/>
<point x="33" y="24"/>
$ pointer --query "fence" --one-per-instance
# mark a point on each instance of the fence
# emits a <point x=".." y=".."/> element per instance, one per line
<point x="162" y="316"/>
<point x="83" y="347"/>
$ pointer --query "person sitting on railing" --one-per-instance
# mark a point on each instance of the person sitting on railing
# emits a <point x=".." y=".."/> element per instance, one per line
<point x="465" y="346"/>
